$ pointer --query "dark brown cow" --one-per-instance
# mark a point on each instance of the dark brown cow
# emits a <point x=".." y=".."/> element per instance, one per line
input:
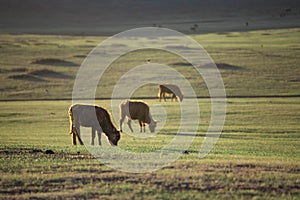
<point x="169" y="89"/>
<point x="136" y="110"/>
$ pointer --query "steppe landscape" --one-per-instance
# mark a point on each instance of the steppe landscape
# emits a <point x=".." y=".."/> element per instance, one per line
<point x="254" y="44"/>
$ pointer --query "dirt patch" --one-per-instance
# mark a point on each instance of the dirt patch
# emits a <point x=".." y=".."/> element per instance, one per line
<point x="21" y="151"/>
<point x="54" y="62"/>
<point x="76" y="178"/>
<point x="40" y="152"/>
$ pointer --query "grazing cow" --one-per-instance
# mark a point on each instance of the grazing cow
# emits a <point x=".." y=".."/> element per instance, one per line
<point x="92" y="116"/>
<point x="169" y="89"/>
<point x="136" y="110"/>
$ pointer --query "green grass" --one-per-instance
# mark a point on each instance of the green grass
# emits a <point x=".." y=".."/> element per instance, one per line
<point x="256" y="156"/>
<point x="255" y="63"/>
<point x="22" y="51"/>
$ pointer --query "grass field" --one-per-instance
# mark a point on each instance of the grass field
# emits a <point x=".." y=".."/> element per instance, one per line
<point x="257" y="155"/>
<point x="251" y="63"/>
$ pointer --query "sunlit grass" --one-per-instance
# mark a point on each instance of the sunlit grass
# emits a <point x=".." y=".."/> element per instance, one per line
<point x="256" y="156"/>
<point x="261" y="63"/>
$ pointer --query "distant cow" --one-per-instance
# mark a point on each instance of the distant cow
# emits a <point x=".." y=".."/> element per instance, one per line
<point x="95" y="117"/>
<point x="136" y="110"/>
<point x="169" y="89"/>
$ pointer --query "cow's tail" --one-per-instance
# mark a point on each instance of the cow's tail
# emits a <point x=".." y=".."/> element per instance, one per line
<point x="71" y="118"/>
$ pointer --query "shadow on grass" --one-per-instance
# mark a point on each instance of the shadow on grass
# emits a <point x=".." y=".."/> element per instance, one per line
<point x="221" y="66"/>
<point x="20" y="69"/>
<point x="26" y="77"/>
<point x="49" y="74"/>
<point x="224" y="66"/>
<point x="54" y="62"/>
<point x="39" y="75"/>
<point x="182" y="64"/>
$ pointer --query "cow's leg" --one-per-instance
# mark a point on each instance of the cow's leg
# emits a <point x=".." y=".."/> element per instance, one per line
<point x="77" y="129"/>
<point x="122" y="118"/>
<point x="174" y="97"/>
<point x="159" y="96"/>
<point x="80" y="141"/>
<point x="73" y="137"/>
<point x="164" y="96"/>
<point x="77" y="133"/>
<point x="99" y="137"/>
<point x="141" y="126"/>
<point x="93" y="135"/>
<point x="74" y="133"/>
<point x="129" y="124"/>
<point x="144" y="125"/>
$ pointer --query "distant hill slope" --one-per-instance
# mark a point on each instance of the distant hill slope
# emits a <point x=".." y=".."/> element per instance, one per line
<point x="110" y="17"/>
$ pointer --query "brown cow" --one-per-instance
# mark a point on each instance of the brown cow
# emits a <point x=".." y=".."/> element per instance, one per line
<point x="136" y="110"/>
<point x="169" y="89"/>
<point x="92" y="116"/>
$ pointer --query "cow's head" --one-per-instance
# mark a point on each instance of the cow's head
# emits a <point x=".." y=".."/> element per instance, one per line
<point x="152" y="126"/>
<point x="180" y="97"/>
<point x="114" y="137"/>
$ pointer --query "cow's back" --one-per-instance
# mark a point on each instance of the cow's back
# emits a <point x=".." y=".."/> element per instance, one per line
<point x="169" y="88"/>
<point x="138" y="110"/>
<point x="102" y="115"/>
<point x="164" y="89"/>
<point x="85" y="115"/>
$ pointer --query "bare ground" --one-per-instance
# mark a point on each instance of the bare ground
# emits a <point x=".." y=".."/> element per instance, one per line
<point x="78" y="175"/>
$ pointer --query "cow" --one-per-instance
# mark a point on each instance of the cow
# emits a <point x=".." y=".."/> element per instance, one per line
<point x="136" y="110"/>
<point x="97" y="118"/>
<point x="174" y="90"/>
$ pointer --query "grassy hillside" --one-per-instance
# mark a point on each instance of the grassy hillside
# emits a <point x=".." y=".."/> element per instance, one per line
<point x="256" y="157"/>
<point x="251" y="63"/>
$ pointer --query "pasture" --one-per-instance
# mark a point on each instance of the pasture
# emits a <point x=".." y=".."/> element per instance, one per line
<point x="254" y="63"/>
<point x="257" y="154"/>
